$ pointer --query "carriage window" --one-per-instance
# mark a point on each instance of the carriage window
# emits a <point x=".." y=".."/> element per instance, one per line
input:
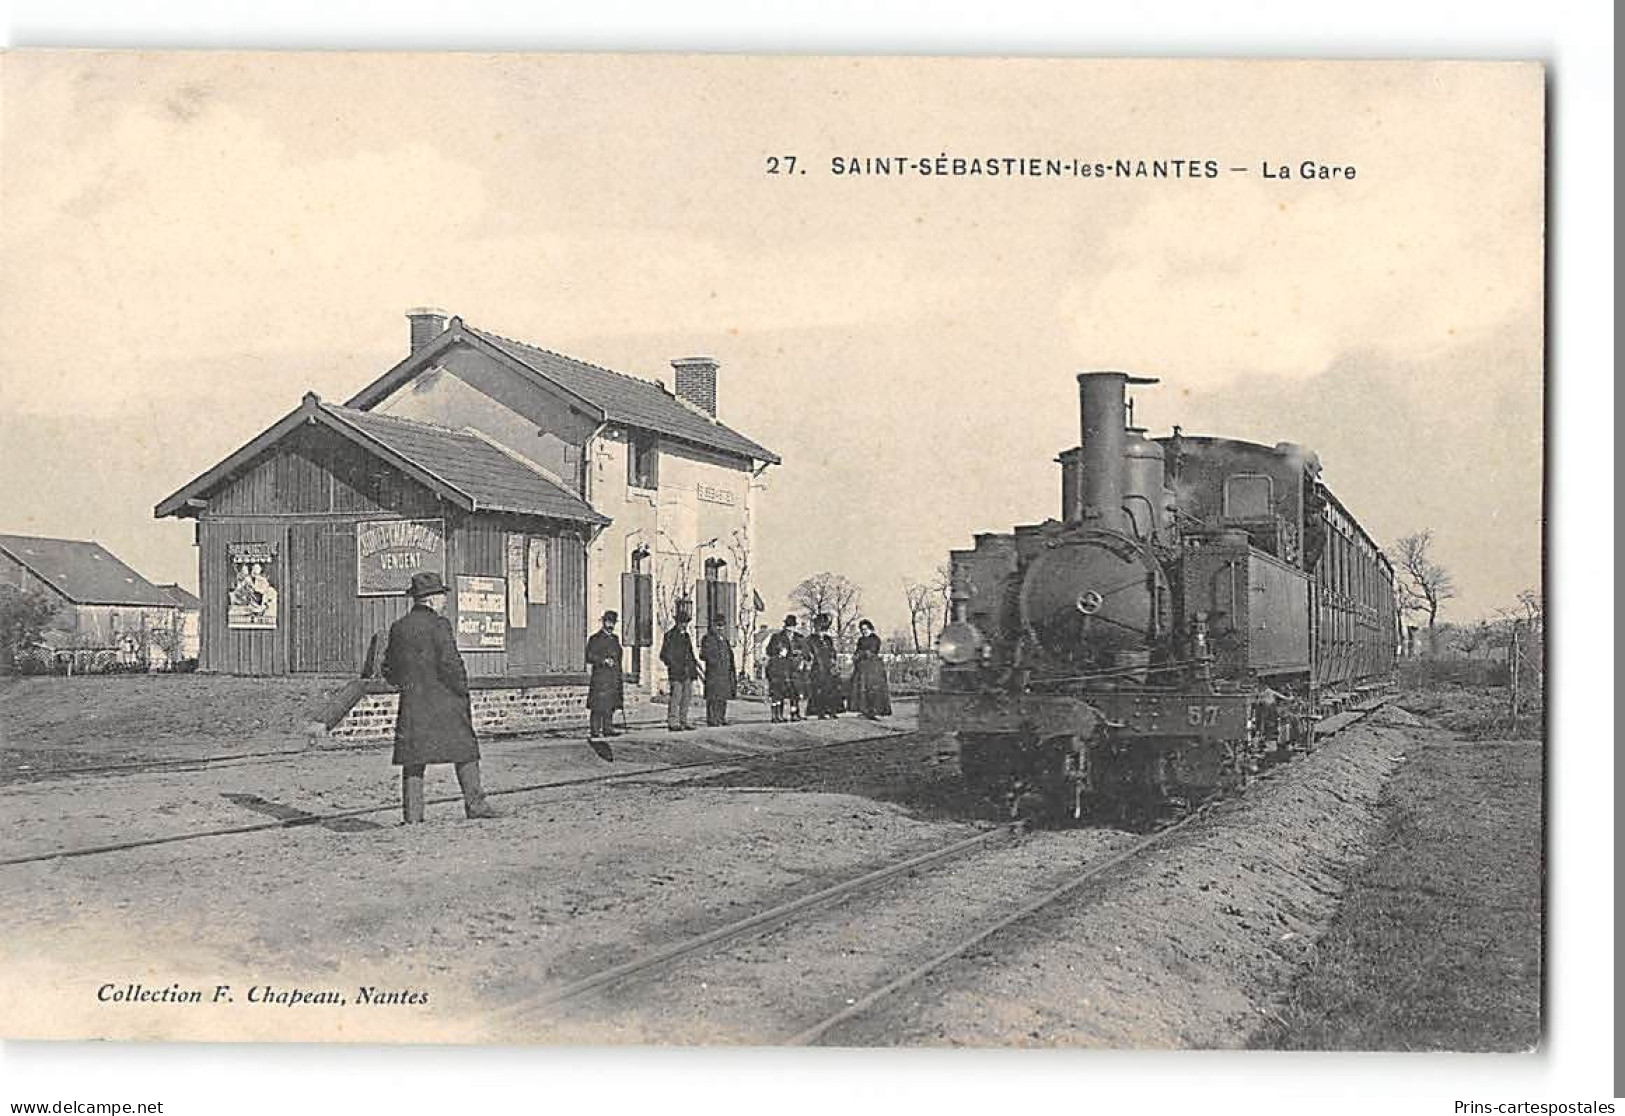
<point x="1248" y="496"/>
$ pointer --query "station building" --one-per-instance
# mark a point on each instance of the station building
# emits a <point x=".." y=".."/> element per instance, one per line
<point x="546" y="490"/>
<point x="677" y="485"/>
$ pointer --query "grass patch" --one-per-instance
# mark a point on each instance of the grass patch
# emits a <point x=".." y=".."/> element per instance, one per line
<point x="1437" y="943"/>
<point x="1479" y="712"/>
<point x="53" y="723"/>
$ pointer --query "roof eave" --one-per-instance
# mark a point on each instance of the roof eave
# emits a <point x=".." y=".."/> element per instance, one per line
<point x="755" y="453"/>
<point x="459" y="332"/>
<point x="311" y="410"/>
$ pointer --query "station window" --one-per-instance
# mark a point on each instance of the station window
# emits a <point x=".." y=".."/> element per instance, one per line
<point x="643" y="461"/>
<point x="1248" y="496"/>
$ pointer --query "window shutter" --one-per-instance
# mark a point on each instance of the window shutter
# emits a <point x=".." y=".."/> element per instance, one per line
<point x="728" y="605"/>
<point x="637" y="609"/>
<point x="646" y="610"/>
<point x="713" y="597"/>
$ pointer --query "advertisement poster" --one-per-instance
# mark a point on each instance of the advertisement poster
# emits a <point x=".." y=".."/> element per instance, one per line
<point x="388" y="552"/>
<point x="482" y="614"/>
<point x="514" y="565"/>
<point x="251" y="601"/>
<point x="537" y="574"/>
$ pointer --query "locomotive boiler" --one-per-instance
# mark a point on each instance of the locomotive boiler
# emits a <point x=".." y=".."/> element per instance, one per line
<point x="1200" y="603"/>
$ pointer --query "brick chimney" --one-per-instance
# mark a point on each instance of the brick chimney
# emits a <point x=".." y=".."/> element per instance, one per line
<point x="697" y="382"/>
<point x="428" y="322"/>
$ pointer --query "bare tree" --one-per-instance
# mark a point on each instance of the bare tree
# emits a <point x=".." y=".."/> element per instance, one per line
<point x="1523" y="626"/>
<point x="921" y="598"/>
<point x="1424" y="585"/>
<point x="745" y="607"/>
<point x="942" y="581"/>
<point x="674" y="581"/>
<point x="832" y="593"/>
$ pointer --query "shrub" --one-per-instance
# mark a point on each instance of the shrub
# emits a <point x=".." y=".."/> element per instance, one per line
<point x="24" y="616"/>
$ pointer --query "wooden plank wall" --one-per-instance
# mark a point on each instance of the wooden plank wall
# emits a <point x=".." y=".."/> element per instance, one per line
<point x="554" y="638"/>
<point x="239" y="651"/>
<point x="306" y="497"/>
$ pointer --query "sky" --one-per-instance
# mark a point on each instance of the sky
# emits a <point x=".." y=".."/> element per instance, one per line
<point x="192" y="241"/>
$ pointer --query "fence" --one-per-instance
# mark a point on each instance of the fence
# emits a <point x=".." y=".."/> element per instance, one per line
<point x="95" y="660"/>
<point x="906" y="674"/>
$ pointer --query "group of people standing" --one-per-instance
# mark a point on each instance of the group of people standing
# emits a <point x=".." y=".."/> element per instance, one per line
<point x="805" y="667"/>
<point x="435" y="722"/>
<point x="714" y="668"/>
<point x="798" y="667"/>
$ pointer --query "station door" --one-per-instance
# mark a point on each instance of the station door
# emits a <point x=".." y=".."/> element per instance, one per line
<point x="322" y="598"/>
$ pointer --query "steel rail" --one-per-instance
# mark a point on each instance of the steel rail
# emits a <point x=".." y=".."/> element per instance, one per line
<point x="361" y="812"/>
<point x="762" y="921"/>
<point x="1026" y="910"/>
<point x="776" y="916"/>
<point x="1089" y="875"/>
<point x="204" y="763"/>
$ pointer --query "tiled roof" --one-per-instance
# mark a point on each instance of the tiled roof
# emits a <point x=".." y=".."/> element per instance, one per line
<point x="629" y="399"/>
<point x="84" y="572"/>
<point x="181" y="597"/>
<point x="493" y="479"/>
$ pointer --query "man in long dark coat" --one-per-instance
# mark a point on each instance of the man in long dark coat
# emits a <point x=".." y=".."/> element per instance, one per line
<point x="784" y="651"/>
<point x="718" y="656"/>
<point x="823" y="681"/>
<point x="682" y="669"/>
<point x="605" y="688"/>
<point x="435" y="723"/>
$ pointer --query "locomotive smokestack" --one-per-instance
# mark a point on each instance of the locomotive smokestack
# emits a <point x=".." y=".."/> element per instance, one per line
<point x="1102" y="407"/>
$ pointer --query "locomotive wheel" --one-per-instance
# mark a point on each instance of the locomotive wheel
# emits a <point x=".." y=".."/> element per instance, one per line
<point x="1047" y="792"/>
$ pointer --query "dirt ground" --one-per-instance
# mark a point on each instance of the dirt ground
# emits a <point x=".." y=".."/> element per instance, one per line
<point x="465" y="924"/>
<point x="472" y="914"/>
<point x="50" y="724"/>
<point x="1182" y="949"/>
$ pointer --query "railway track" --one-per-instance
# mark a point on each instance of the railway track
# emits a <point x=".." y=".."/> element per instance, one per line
<point x="310" y="819"/>
<point x="26" y="777"/>
<point x="667" y="958"/>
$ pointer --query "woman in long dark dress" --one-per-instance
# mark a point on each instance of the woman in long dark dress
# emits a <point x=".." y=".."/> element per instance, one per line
<point x="823" y="677"/>
<point x="871" y="694"/>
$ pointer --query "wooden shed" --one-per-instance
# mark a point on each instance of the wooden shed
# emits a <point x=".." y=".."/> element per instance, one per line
<point x="308" y="535"/>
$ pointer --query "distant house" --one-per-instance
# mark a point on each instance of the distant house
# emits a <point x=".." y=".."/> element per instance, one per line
<point x="187" y="638"/>
<point x="106" y="605"/>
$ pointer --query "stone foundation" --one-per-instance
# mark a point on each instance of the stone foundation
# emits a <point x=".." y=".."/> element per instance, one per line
<point x="498" y="711"/>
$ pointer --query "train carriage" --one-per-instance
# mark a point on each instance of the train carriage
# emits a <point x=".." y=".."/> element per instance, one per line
<point x="1200" y="603"/>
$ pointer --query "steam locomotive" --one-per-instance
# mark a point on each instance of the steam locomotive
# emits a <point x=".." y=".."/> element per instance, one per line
<point x="1200" y="605"/>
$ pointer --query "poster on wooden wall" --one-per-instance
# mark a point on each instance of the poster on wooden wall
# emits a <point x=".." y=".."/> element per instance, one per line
<point x="482" y="614"/>
<point x="251" y="602"/>
<point x="537" y="574"/>
<point x="514" y="566"/>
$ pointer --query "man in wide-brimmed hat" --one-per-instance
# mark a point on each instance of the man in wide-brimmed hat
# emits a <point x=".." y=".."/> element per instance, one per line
<point x="435" y="723"/>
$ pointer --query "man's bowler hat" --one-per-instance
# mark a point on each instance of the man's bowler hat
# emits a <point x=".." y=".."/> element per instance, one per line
<point x="425" y="585"/>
